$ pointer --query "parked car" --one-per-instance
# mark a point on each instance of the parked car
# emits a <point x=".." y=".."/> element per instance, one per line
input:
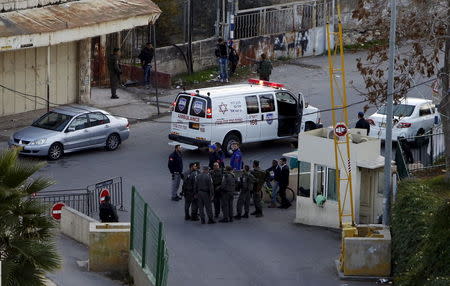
<point x="412" y="117"/>
<point x="71" y="128"/>
<point x="254" y="112"/>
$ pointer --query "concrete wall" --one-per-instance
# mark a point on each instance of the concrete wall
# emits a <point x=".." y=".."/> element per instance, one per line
<point x="140" y="275"/>
<point x="109" y="247"/>
<point x="368" y="254"/>
<point x="76" y="225"/>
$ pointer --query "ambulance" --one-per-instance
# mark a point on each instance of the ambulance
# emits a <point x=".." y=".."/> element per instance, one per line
<point x="253" y="112"/>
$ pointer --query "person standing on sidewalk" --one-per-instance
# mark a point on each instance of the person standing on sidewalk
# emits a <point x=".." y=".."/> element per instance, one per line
<point x="213" y="156"/>
<point x="247" y="183"/>
<point x="264" y="68"/>
<point x="222" y="57"/>
<point x="227" y="189"/>
<point x="146" y="57"/>
<point x="260" y="177"/>
<point x="233" y="57"/>
<point x="220" y="154"/>
<point x="114" y="71"/>
<point x="107" y="211"/>
<point x="188" y="191"/>
<point x="217" y="175"/>
<point x="284" y="182"/>
<point x="176" y="169"/>
<point x="204" y="190"/>
<point x="274" y="173"/>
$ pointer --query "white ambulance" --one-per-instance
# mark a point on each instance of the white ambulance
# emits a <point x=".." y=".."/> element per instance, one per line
<point x="253" y="112"/>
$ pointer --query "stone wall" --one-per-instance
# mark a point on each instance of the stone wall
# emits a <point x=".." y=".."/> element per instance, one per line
<point x="11" y="5"/>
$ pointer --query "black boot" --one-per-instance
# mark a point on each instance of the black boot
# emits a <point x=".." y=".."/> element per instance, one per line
<point x="259" y="215"/>
<point x="187" y="217"/>
<point x="194" y="217"/>
<point x="223" y="220"/>
<point x="203" y="221"/>
<point x="238" y="217"/>
<point x="211" y="221"/>
<point x="254" y="213"/>
<point x="245" y="215"/>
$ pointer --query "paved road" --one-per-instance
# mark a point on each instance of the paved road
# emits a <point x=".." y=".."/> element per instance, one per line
<point x="267" y="251"/>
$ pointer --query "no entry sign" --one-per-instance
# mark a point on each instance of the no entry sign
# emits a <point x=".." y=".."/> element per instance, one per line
<point x="56" y="210"/>
<point x="340" y="129"/>
<point x="103" y="194"/>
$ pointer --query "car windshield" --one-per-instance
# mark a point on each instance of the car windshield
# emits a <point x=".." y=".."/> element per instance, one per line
<point x="400" y="110"/>
<point x="52" y="121"/>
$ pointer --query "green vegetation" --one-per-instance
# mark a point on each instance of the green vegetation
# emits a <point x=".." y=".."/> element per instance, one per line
<point x="27" y="249"/>
<point x="209" y="75"/>
<point x="421" y="232"/>
<point x="365" y="46"/>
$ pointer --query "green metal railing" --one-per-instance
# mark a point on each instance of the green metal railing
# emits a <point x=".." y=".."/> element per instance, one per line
<point x="147" y="240"/>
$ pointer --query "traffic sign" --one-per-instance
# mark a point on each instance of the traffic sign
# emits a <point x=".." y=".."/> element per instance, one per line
<point x="103" y="194"/>
<point x="56" y="210"/>
<point x="340" y="129"/>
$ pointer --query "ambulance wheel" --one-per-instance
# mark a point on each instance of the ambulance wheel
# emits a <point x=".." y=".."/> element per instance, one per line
<point x="228" y="141"/>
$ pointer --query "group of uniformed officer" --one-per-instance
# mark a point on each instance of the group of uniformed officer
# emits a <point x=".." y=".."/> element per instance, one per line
<point x="204" y="188"/>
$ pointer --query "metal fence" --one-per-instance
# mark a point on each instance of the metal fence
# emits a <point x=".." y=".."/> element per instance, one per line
<point x="297" y="16"/>
<point x="422" y="152"/>
<point x="147" y="241"/>
<point x="85" y="200"/>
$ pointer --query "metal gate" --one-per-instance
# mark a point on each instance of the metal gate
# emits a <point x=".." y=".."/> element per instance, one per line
<point x="85" y="200"/>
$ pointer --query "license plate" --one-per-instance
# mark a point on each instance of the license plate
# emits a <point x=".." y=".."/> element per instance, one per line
<point x="195" y="126"/>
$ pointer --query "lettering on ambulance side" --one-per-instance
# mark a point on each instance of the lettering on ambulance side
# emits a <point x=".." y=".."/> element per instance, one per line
<point x="187" y="117"/>
<point x="253" y="119"/>
<point x="236" y="107"/>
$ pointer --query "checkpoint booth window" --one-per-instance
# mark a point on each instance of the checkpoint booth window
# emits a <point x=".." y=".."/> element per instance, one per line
<point x="324" y="182"/>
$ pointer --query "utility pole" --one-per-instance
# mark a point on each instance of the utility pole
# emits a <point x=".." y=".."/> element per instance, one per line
<point x="156" y="68"/>
<point x="217" y="26"/>
<point x="389" y="115"/>
<point x="190" y="22"/>
<point x="444" y="106"/>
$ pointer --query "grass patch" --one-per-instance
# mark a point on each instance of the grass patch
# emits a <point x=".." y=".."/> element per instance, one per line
<point x="365" y="46"/>
<point x="420" y="233"/>
<point x="197" y="77"/>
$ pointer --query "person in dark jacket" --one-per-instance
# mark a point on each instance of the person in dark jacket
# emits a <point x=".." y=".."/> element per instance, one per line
<point x="227" y="189"/>
<point x="188" y="191"/>
<point x="284" y="183"/>
<point x="220" y="154"/>
<point x="213" y="156"/>
<point x="273" y="178"/>
<point x="247" y="181"/>
<point x="114" y="71"/>
<point x="264" y="68"/>
<point x="216" y="175"/>
<point x="176" y="169"/>
<point x="222" y="57"/>
<point x="108" y="212"/>
<point x="146" y="57"/>
<point x="362" y="122"/>
<point x="260" y="177"/>
<point x="233" y="57"/>
<point x="204" y="190"/>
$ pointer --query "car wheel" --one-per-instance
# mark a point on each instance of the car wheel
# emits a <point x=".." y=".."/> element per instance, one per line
<point x="55" y="151"/>
<point x="310" y="126"/>
<point x="228" y="141"/>
<point x="113" y="142"/>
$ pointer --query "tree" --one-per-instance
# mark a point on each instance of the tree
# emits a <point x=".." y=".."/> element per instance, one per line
<point x="27" y="248"/>
<point x="423" y="36"/>
<point x="168" y="24"/>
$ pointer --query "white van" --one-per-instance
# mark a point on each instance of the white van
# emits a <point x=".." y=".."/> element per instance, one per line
<point x="253" y="112"/>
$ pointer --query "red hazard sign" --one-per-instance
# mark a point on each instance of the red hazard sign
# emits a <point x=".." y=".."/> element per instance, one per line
<point x="103" y="194"/>
<point x="56" y="210"/>
<point x="340" y="129"/>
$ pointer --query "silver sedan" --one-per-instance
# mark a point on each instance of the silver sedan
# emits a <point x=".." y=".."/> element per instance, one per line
<point x="71" y="128"/>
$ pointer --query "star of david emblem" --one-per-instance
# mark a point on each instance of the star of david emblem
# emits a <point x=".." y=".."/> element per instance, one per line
<point x="223" y="108"/>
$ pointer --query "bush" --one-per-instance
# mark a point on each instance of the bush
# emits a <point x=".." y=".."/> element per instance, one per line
<point x="420" y="233"/>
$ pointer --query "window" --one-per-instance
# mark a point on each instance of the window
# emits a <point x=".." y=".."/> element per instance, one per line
<point x="426" y="109"/>
<point x="267" y="103"/>
<point x="182" y="104"/>
<point x="325" y="182"/>
<point x="304" y="179"/>
<point x="401" y="110"/>
<point x="79" y="123"/>
<point x="252" y="104"/>
<point x="53" y="121"/>
<point x="98" y="118"/>
<point x="286" y="98"/>
<point x="198" y="107"/>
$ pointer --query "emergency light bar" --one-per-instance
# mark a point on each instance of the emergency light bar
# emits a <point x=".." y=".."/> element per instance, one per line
<point x="265" y="83"/>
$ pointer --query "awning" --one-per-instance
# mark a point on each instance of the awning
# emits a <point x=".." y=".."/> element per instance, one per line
<point x="72" y="21"/>
<point x="371" y="164"/>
